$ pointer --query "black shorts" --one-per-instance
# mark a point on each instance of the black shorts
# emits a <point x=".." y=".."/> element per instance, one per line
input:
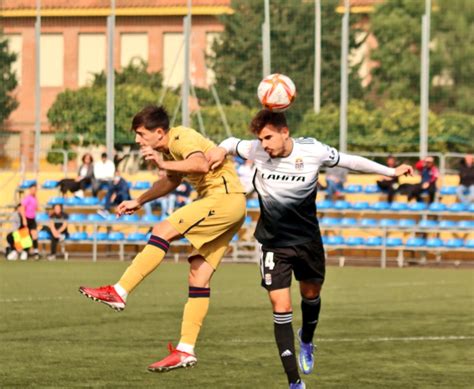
<point x="306" y="260"/>
<point x="31" y="224"/>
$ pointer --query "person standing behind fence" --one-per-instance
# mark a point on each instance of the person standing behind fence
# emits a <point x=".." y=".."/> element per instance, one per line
<point x="104" y="171"/>
<point x="28" y="209"/>
<point x="57" y="228"/>
<point x="82" y="181"/>
<point x="429" y="176"/>
<point x="465" y="190"/>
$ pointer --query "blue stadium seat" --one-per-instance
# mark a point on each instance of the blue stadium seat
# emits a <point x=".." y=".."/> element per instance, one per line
<point x="342" y="205"/>
<point x="355" y="241"/>
<point x="457" y="207"/>
<point x="75" y="236"/>
<point x="393" y="242"/>
<point x="380" y="206"/>
<point x="448" y="224"/>
<point x="361" y="205"/>
<point x="98" y="236"/>
<point x="43" y="235"/>
<point x="248" y="220"/>
<point x="370" y="189"/>
<point x="141" y="185"/>
<point x="448" y="190"/>
<point x="353" y="188"/>
<point x="469" y="244"/>
<point x="90" y="201"/>
<point x="253" y="204"/>
<point x="374" y="241"/>
<point x="325" y="204"/>
<point x="397" y="206"/>
<point x="434" y="243"/>
<point x="77" y="217"/>
<point x="437" y="207"/>
<point x="72" y="201"/>
<point x="454" y="243"/>
<point x="130" y="218"/>
<point x="417" y="206"/>
<point x="26" y="184"/>
<point x="428" y="224"/>
<point x="466" y="224"/>
<point x="42" y="217"/>
<point x="415" y="242"/>
<point x="348" y="222"/>
<point x="235" y="238"/>
<point x="471" y="207"/>
<point x="136" y="237"/>
<point x="369" y="222"/>
<point x="94" y="217"/>
<point x="330" y="221"/>
<point x="150" y="218"/>
<point x="55" y="200"/>
<point x="406" y="223"/>
<point x="50" y="184"/>
<point x="324" y="238"/>
<point x="115" y="236"/>
<point x="111" y="218"/>
<point x="388" y="223"/>
<point x="334" y="240"/>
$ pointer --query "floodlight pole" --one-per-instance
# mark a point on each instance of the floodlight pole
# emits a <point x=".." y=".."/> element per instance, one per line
<point x="344" y="79"/>
<point x="110" y="119"/>
<point x="317" y="56"/>
<point x="186" y="80"/>
<point x="266" y="45"/>
<point x="37" y="87"/>
<point x="425" y="79"/>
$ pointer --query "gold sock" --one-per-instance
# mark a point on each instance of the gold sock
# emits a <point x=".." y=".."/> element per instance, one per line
<point x="195" y="311"/>
<point x="144" y="263"/>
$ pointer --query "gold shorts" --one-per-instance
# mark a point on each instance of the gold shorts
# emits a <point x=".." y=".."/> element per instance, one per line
<point x="210" y="224"/>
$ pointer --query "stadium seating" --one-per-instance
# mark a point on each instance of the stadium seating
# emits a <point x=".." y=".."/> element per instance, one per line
<point x="141" y="185"/>
<point x="50" y="184"/>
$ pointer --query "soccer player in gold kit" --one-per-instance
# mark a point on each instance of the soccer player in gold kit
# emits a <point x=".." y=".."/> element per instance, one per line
<point x="209" y="223"/>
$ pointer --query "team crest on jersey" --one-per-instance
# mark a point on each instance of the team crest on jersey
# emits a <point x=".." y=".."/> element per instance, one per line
<point x="299" y="165"/>
<point x="268" y="279"/>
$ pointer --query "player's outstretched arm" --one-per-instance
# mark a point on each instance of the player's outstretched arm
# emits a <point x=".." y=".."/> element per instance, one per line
<point x="361" y="164"/>
<point x="160" y="188"/>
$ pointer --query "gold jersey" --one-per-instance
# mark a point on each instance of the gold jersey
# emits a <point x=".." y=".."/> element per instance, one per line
<point x="185" y="141"/>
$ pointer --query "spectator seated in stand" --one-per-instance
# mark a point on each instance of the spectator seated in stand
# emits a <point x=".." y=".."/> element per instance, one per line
<point x="389" y="185"/>
<point x="335" y="180"/>
<point x="16" y="223"/>
<point x="429" y="176"/>
<point x="465" y="190"/>
<point x="117" y="192"/>
<point x="176" y="199"/>
<point x="104" y="172"/>
<point x="82" y="181"/>
<point x="57" y="228"/>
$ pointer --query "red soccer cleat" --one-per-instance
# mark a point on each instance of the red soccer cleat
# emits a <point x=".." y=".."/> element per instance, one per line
<point x="175" y="360"/>
<point x="106" y="295"/>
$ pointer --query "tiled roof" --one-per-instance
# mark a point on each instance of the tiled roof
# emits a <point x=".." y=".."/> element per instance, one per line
<point x="63" y="4"/>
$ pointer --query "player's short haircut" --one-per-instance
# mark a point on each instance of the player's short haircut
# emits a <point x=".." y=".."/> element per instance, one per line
<point x="265" y="117"/>
<point x="152" y="117"/>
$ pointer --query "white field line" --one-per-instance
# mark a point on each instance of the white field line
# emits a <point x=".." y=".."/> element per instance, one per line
<point x="371" y="339"/>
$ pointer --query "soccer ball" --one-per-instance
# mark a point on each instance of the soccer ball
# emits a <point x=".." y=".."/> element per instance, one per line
<point x="276" y="92"/>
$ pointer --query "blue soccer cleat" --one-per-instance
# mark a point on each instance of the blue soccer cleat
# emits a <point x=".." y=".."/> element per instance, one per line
<point x="306" y="358"/>
<point x="298" y="385"/>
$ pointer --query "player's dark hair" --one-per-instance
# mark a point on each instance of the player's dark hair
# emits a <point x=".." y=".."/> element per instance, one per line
<point x="151" y="117"/>
<point x="265" y="117"/>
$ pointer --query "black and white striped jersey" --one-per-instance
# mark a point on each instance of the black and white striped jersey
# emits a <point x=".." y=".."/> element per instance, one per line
<point x="286" y="188"/>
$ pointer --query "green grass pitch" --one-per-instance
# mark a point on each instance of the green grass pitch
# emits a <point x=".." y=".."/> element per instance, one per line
<point x="392" y="328"/>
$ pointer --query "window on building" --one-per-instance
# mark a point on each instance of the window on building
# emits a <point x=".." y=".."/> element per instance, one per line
<point x="133" y="48"/>
<point x="211" y="37"/>
<point x="92" y="49"/>
<point x="173" y="59"/>
<point x="15" y="42"/>
<point x="52" y="60"/>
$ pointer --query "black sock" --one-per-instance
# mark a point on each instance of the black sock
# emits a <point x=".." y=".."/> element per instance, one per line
<point x="286" y="344"/>
<point x="310" y="309"/>
<point x="35" y="244"/>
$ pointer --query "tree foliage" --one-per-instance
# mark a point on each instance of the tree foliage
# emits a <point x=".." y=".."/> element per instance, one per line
<point x="237" y="62"/>
<point x="8" y="83"/>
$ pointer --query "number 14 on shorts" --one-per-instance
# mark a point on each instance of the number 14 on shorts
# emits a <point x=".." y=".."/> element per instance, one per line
<point x="267" y="264"/>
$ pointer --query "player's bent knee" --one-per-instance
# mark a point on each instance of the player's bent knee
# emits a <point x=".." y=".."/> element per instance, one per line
<point x="165" y="230"/>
